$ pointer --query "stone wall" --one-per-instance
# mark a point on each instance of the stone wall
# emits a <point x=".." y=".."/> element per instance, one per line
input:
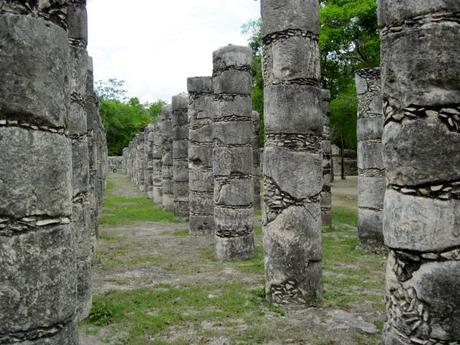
<point x="115" y="164"/>
<point x="421" y="140"/>
<point x="201" y="179"/>
<point x="232" y="153"/>
<point x="371" y="178"/>
<point x="292" y="155"/>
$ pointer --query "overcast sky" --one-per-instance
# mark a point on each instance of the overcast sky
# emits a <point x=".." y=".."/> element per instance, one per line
<point x="154" y="45"/>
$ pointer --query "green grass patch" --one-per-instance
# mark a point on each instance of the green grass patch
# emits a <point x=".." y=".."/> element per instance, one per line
<point x="181" y="233"/>
<point x="123" y="210"/>
<point x="344" y="215"/>
<point x="144" y="313"/>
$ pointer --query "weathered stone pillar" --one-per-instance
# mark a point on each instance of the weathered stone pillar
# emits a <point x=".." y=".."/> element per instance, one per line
<point x="167" y="160"/>
<point x="326" y="193"/>
<point x="232" y="153"/>
<point x="256" y="158"/>
<point x="180" y="128"/>
<point x="421" y="140"/>
<point x="292" y="155"/>
<point x="140" y="161"/>
<point x="124" y="164"/>
<point x="148" y="139"/>
<point x="78" y="130"/>
<point x="201" y="180"/>
<point x="371" y="178"/>
<point x="38" y="263"/>
<point x="157" y="165"/>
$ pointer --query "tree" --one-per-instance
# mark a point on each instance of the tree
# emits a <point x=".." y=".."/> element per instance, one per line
<point x="123" y="119"/>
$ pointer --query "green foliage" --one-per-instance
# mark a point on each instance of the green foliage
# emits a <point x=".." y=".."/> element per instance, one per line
<point x="123" y="119"/>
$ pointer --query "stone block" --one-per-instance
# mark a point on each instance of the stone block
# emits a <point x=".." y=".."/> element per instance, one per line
<point x="201" y="134"/>
<point x="237" y="106"/>
<point x="80" y="166"/>
<point x="180" y="171"/>
<point x="291" y="59"/>
<point x="201" y="180"/>
<point x="231" y="56"/>
<point x="77" y="19"/>
<point x="421" y="224"/>
<point x="371" y="192"/>
<point x="300" y="175"/>
<point x="370" y="155"/>
<point x="235" y="248"/>
<point x="420" y="152"/>
<point x="233" y="82"/>
<point x="370" y="226"/>
<point x="233" y="220"/>
<point x="33" y="159"/>
<point x="233" y="133"/>
<point x="370" y="128"/>
<point x="38" y="278"/>
<point x="282" y="15"/>
<point x="180" y="149"/>
<point x="201" y="204"/>
<point x="394" y="12"/>
<point x="293" y="109"/>
<point x="201" y="225"/>
<point x="34" y="70"/>
<point x="409" y="75"/>
<point x="234" y="192"/>
<point x="199" y="85"/>
<point x="232" y="160"/>
<point x="180" y="132"/>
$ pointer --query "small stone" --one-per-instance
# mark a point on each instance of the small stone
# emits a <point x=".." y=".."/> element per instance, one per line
<point x="437" y="188"/>
<point x="430" y="256"/>
<point x="431" y="113"/>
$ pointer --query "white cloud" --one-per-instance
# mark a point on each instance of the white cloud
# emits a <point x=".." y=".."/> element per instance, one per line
<point x="156" y="45"/>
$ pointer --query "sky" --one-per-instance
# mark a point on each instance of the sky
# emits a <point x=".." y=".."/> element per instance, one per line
<point x="155" y="45"/>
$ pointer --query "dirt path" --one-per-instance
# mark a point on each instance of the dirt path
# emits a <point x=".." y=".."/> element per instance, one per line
<point x="184" y="296"/>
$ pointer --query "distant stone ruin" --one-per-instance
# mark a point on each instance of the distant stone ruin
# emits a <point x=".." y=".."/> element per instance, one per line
<point x="371" y="179"/>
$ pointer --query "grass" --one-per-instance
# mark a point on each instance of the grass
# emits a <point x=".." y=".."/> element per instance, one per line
<point x="143" y="313"/>
<point x="165" y="314"/>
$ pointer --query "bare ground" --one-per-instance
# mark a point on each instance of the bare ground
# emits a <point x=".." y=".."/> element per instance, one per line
<point x="151" y="255"/>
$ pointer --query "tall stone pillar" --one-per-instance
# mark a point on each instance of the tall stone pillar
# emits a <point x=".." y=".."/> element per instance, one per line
<point x="371" y="172"/>
<point x="256" y="158"/>
<point x="232" y="153"/>
<point x="38" y="263"/>
<point x="421" y="140"/>
<point x="78" y="130"/>
<point x="326" y="193"/>
<point x="201" y="180"/>
<point x="148" y="178"/>
<point x="167" y="160"/>
<point x="180" y="128"/>
<point x="124" y="163"/>
<point x="292" y="155"/>
<point x="157" y="165"/>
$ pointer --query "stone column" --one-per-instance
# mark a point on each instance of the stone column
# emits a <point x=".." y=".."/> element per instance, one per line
<point x="256" y="158"/>
<point x="201" y="180"/>
<point x="38" y="263"/>
<point x="326" y="193"/>
<point x="180" y="128"/>
<point x="78" y="130"/>
<point x="232" y="153"/>
<point x="140" y="161"/>
<point x="167" y="161"/>
<point x="371" y="172"/>
<point x="157" y="165"/>
<point x="124" y="164"/>
<point x="292" y="155"/>
<point x="148" y="139"/>
<point x="421" y="140"/>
